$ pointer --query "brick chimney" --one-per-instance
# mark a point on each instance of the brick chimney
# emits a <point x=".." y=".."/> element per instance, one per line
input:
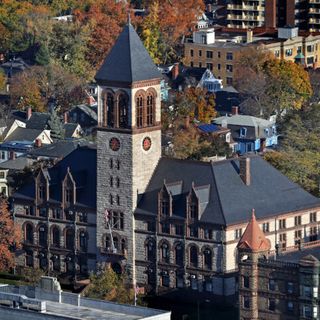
<point x="245" y="172"/>
<point x="91" y="101"/>
<point x="235" y="110"/>
<point x="175" y="71"/>
<point x="66" y="117"/>
<point x="12" y="155"/>
<point x="38" y="143"/>
<point x="29" y="112"/>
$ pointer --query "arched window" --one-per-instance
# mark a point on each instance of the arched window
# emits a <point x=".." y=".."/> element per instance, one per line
<point x="70" y="239"/>
<point x="123" y="111"/>
<point x="56" y="262"/>
<point x="165" y="254"/>
<point x="139" y="110"/>
<point x="83" y="241"/>
<point x="150" y="248"/>
<point x="110" y="110"/>
<point x="179" y="254"/>
<point x="29" y="233"/>
<point x="42" y="236"/>
<point x="207" y="255"/>
<point x="150" y="109"/>
<point x="193" y="256"/>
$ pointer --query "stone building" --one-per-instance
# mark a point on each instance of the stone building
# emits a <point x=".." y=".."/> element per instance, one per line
<point x="169" y="223"/>
<point x="278" y="286"/>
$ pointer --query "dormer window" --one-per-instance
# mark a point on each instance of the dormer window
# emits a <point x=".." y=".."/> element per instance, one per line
<point x="243" y="132"/>
<point x="68" y="195"/>
<point x="165" y="202"/>
<point x="165" y="207"/>
<point x="194" y="210"/>
<point x="42" y="192"/>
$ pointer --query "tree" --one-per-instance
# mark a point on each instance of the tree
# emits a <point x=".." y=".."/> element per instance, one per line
<point x="42" y="57"/>
<point x="105" y="19"/>
<point x="56" y="126"/>
<point x="151" y="34"/>
<point x="9" y="237"/>
<point x="111" y="286"/>
<point x="298" y="156"/>
<point x="268" y="85"/>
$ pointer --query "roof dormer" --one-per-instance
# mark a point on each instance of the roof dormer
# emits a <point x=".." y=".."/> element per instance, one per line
<point x="68" y="190"/>
<point x="42" y="183"/>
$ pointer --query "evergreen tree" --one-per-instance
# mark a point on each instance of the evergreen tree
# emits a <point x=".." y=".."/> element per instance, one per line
<point x="56" y="126"/>
<point x="42" y="56"/>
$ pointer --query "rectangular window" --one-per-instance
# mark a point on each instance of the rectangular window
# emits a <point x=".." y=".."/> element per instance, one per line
<point x="179" y="229"/>
<point x="210" y="66"/>
<point x="200" y="53"/>
<point x="297" y="220"/>
<point x="246" y="282"/>
<point x="191" y="64"/>
<point x="200" y="64"/>
<point x="307" y="291"/>
<point x="290" y="287"/>
<point x="151" y="226"/>
<point x="243" y="132"/>
<point x="219" y="54"/>
<point x="282" y="223"/>
<point x="290" y="306"/>
<point x="117" y="220"/>
<point x="209" y="54"/>
<point x="272" y="304"/>
<point x="246" y="302"/>
<point x="237" y="233"/>
<point x="313" y="234"/>
<point x="56" y="213"/>
<point x="229" y="56"/>
<point x="193" y="232"/>
<point x="1" y="174"/>
<point x="283" y="240"/>
<point x="165" y="227"/>
<point x="43" y="212"/>
<point x="313" y="216"/>
<point x="229" y="68"/>
<point x="310" y="48"/>
<point x="288" y="52"/>
<point x="3" y="155"/>
<point x="310" y="60"/>
<point x="265" y="227"/>
<point x="272" y="285"/>
<point x="191" y="53"/>
<point x="298" y="234"/>
<point x="299" y="50"/>
<point x="307" y="311"/>
<point x="165" y="279"/>
<point x="229" y="81"/>
<point x="277" y="53"/>
<point x="208" y="234"/>
<point x="219" y="66"/>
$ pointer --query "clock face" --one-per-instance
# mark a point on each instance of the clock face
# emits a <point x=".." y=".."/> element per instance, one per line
<point x="146" y="143"/>
<point x="114" y="144"/>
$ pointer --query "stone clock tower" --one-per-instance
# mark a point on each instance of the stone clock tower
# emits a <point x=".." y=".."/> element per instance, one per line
<point x="128" y="145"/>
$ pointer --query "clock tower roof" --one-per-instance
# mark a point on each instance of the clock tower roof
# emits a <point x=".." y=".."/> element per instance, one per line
<point x="128" y="61"/>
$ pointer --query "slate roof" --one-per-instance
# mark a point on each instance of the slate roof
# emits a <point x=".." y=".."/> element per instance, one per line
<point x="230" y="200"/>
<point x="70" y="128"/>
<point x="24" y="134"/>
<point x="16" y="164"/>
<point x="82" y="164"/>
<point x="209" y="128"/>
<point x="38" y="120"/>
<point x="128" y="60"/>
<point x="87" y="110"/>
<point x="59" y="149"/>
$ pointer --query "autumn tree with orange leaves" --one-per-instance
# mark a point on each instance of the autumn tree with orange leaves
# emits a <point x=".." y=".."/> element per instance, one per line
<point x="9" y="237"/>
<point x="105" y="19"/>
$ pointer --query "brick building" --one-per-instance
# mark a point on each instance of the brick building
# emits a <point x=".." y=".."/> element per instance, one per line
<point x="169" y="223"/>
<point x="278" y="286"/>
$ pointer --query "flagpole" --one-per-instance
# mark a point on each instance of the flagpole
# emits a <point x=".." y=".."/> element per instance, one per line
<point x="106" y="215"/>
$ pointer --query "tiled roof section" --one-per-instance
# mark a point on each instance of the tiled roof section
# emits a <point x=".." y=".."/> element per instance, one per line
<point x="253" y="238"/>
<point x="16" y="164"/>
<point x="82" y="165"/>
<point x="38" y="120"/>
<point x="87" y="110"/>
<point x="70" y="129"/>
<point x="229" y="198"/>
<point x="128" y="60"/>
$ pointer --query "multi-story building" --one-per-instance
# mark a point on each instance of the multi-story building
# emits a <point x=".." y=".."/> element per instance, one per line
<point x="218" y="50"/>
<point x="281" y="286"/>
<point x="245" y="14"/>
<point x="168" y="223"/>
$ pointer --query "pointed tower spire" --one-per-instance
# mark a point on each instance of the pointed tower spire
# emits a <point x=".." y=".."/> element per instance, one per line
<point x="253" y="237"/>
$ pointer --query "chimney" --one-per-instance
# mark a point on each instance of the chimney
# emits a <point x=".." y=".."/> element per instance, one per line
<point x="66" y="117"/>
<point x="175" y="71"/>
<point x="38" y="143"/>
<point x="249" y="35"/>
<point x="235" y="110"/>
<point x="12" y="155"/>
<point x="91" y="101"/>
<point x="245" y="174"/>
<point x="29" y="112"/>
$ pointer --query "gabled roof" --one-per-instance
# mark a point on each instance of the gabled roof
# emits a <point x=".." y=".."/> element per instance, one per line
<point x="128" y="60"/>
<point x="24" y="134"/>
<point x="38" y="120"/>
<point x="253" y="238"/>
<point x="229" y="198"/>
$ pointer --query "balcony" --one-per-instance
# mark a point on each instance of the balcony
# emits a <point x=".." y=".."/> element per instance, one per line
<point x="314" y="21"/>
